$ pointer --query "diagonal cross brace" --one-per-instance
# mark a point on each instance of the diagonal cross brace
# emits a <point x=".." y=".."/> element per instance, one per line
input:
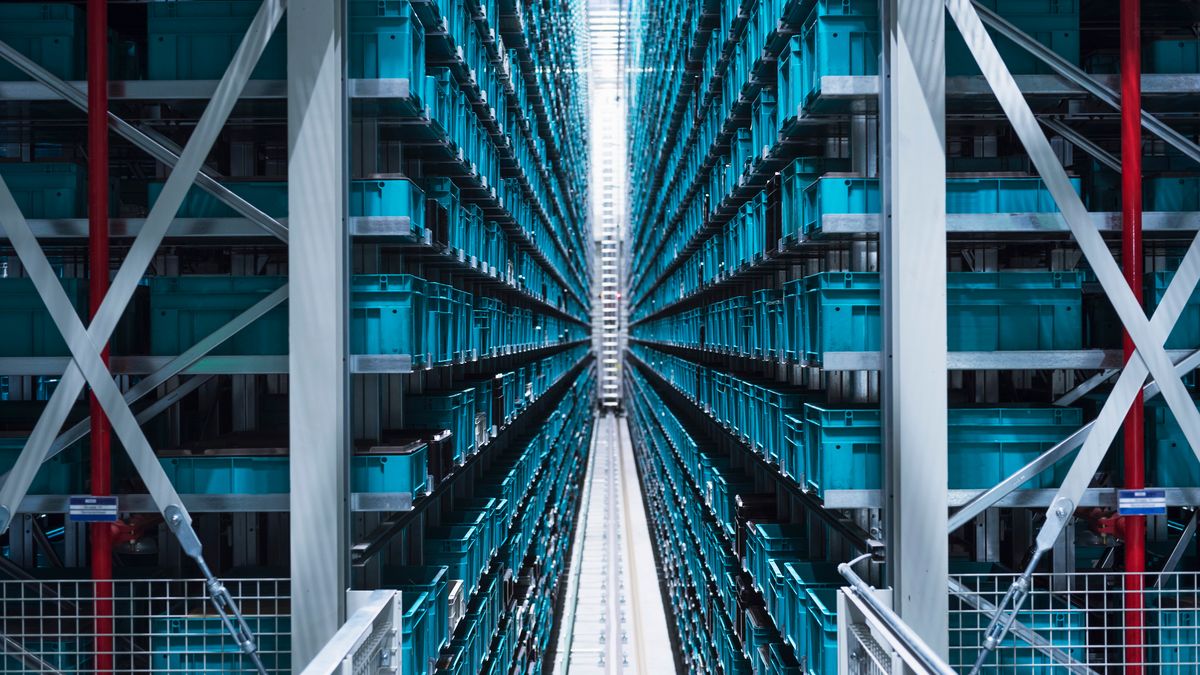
<point x="155" y="148"/>
<point x="1149" y="338"/>
<point x="140" y="254"/>
<point x="175" y="366"/>
<point x="86" y="357"/>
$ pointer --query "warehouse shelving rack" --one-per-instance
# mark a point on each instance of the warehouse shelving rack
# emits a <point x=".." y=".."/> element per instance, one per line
<point x="332" y="129"/>
<point x="855" y="119"/>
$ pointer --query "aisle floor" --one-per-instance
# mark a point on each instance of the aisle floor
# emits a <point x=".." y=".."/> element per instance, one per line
<point x="614" y="620"/>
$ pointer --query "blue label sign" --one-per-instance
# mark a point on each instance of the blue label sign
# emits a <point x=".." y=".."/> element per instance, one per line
<point x="1148" y="502"/>
<point x="89" y="509"/>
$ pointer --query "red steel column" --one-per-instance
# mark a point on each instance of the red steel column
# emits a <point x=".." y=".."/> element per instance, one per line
<point x="1132" y="261"/>
<point x="101" y="462"/>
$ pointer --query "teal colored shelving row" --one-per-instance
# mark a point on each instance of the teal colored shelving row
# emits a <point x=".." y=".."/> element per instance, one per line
<point x="502" y="534"/>
<point x="840" y="312"/>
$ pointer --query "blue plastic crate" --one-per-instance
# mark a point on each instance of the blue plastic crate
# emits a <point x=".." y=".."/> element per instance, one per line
<point x="458" y="548"/>
<point x="391" y="469"/>
<point x="1062" y="625"/>
<point x="47" y="33"/>
<point x="821" y="643"/>
<point x="987" y="311"/>
<point x="766" y="541"/>
<point x="413" y="655"/>
<point x="1178" y="629"/>
<point x="1054" y="23"/>
<point x="387" y="315"/>
<point x="390" y="198"/>
<point x="842" y="446"/>
<point x="800" y="577"/>
<point x="423" y="639"/>
<point x="386" y="42"/>
<point x="196" y="40"/>
<point x="227" y="474"/>
<point x="842" y="194"/>
<point x="202" y="644"/>
<point x="1171" y="460"/>
<point x="270" y="197"/>
<point x="64" y="474"/>
<point x="184" y="310"/>
<point x="46" y="189"/>
<point x="1170" y="56"/>
<point x="453" y="410"/>
<point x="28" y="328"/>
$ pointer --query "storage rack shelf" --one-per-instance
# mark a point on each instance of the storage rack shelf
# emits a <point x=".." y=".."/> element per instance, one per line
<point x="470" y="117"/>
<point x="757" y="150"/>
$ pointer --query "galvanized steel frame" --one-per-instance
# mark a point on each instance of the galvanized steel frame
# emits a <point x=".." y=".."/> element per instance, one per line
<point x="318" y="322"/>
<point x="913" y="286"/>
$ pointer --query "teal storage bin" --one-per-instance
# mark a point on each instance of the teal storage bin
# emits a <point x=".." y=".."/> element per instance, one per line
<point x="227" y="474"/>
<point x="386" y="42"/>
<point x="453" y="410"/>
<point x="838" y="39"/>
<point x="1171" y="460"/>
<point x="1181" y="56"/>
<point x="456" y="547"/>
<point x="184" y="310"/>
<point x="387" y="314"/>
<point x="389" y="198"/>
<point x="1171" y="193"/>
<point x="427" y="627"/>
<point x="1178" y="630"/>
<point x="987" y="311"/>
<point x="800" y="577"/>
<point x="49" y="33"/>
<point x="196" y="40"/>
<point x="391" y="469"/>
<point x="1186" y="333"/>
<point x="202" y="644"/>
<point x="1015" y="310"/>
<point x="769" y="541"/>
<point x="270" y="197"/>
<point x="822" y="631"/>
<point x="47" y="190"/>
<point x="64" y="474"/>
<point x="1054" y="23"/>
<point x="28" y="328"/>
<point x="986" y="445"/>
<point x="413" y="657"/>
<point x="842" y="194"/>
<point x="1062" y="625"/>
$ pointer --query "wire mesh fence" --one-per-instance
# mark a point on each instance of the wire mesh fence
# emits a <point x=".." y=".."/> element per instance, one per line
<point x="138" y="626"/>
<point x="1081" y="623"/>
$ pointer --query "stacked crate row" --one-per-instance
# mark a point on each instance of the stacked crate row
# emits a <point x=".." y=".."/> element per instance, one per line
<point x="497" y="554"/>
<point x="755" y="199"/>
<point x="468" y="284"/>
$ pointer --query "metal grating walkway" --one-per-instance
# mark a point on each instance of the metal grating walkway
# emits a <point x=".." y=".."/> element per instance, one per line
<point x="614" y="620"/>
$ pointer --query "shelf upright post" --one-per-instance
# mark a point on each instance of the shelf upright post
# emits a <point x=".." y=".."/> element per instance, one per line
<point x="913" y="279"/>
<point x="318" y="311"/>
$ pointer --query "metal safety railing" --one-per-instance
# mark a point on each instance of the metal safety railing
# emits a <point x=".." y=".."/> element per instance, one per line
<point x="1084" y="623"/>
<point x="874" y="640"/>
<point x="1090" y="622"/>
<point x="158" y="626"/>
<point x="368" y="643"/>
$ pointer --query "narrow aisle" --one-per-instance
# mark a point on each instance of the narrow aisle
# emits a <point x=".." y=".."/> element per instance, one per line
<point x="614" y="620"/>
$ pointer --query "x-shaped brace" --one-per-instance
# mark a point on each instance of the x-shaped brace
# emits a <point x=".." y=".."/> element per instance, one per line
<point x="1149" y="335"/>
<point x="83" y="342"/>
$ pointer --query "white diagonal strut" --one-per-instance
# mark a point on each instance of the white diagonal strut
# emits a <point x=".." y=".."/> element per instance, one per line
<point x="140" y="254"/>
<point x="1149" y="336"/>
